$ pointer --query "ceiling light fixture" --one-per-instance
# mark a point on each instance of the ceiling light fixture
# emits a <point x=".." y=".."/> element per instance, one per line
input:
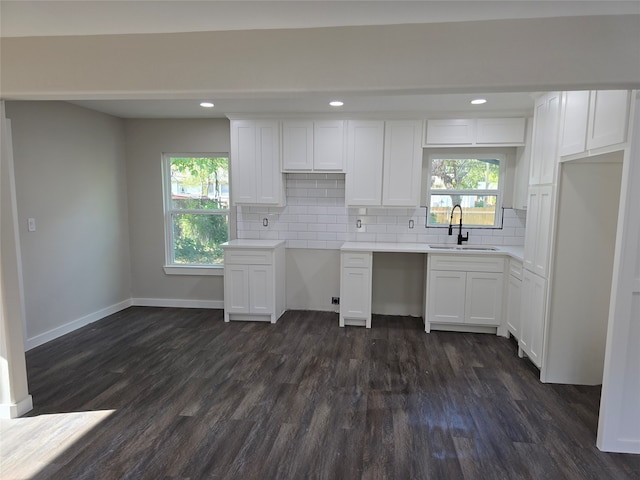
<point x="478" y="101"/>
<point x="206" y="104"/>
<point x="336" y="103"/>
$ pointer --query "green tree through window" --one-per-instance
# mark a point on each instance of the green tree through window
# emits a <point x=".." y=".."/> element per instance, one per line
<point x="196" y="208"/>
<point x="470" y="181"/>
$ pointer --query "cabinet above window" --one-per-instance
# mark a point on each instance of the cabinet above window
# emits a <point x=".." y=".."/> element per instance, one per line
<point x="486" y="132"/>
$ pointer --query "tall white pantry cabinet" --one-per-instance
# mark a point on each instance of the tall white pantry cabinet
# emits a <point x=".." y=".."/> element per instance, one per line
<point x="570" y="129"/>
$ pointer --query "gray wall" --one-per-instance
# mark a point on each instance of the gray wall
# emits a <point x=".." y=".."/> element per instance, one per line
<point x="70" y="177"/>
<point x="146" y="141"/>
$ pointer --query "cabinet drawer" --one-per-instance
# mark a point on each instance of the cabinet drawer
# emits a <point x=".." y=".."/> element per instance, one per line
<point x="357" y="260"/>
<point x="248" y="257"/>
<point x="515" y="268"/>
<point x="467" y="263"/>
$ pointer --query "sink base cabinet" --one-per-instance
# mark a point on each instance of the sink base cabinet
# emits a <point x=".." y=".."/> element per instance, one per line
<point x="254" y="284"/>
<point x="466" y="291"/>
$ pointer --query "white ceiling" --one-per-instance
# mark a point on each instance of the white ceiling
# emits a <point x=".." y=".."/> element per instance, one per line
<point x="445" y="104"/>
<point x="89" y="17"/>
<point x="84" y="17"/>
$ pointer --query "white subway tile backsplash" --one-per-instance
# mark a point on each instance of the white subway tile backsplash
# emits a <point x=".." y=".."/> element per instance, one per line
<point x="317" y="227"/>
<point x="316" y="217"/>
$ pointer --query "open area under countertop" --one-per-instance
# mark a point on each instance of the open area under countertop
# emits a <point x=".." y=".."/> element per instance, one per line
<point x="514" y="251"/>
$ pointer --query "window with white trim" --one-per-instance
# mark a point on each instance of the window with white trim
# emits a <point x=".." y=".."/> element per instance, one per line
<point x="470" y="180"/>
<point x="196" y="208"/>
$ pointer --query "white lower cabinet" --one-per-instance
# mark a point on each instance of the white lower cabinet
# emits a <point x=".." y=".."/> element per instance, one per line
<point x="355" y="288"/>
<point x="253" y="282"/>
<point x="464" y="290"/>
<point x="483" y="300"/>
<point x="447" y="292"/>
<point x="514" y="295"/>
<point x="532" y="315"/>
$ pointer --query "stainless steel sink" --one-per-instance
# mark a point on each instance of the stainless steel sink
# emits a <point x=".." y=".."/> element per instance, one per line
<point x="478" y="248"/>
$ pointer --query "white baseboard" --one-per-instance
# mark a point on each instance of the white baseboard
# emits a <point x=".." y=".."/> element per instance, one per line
<point x="75" y="324"/>
<point x="15" y="410"/>
<point x="621" y="445"/>
<point x="168" y="302"/>
<point x="105" y="312"/>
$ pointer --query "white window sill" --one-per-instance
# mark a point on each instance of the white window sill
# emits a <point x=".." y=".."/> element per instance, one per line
<point x="193" y="270"/>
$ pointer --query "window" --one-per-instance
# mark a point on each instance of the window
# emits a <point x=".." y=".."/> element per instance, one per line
<point x="472" y="181"/>
<point x="196" y="208"/>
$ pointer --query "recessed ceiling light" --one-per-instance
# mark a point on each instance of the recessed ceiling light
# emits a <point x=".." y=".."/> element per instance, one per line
<point x="336" y="103"/>
<point x="206" y="104"/>
<point x="478" y="101"/>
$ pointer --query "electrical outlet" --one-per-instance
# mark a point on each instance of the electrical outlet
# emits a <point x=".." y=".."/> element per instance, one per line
<point x="335" y="300"/>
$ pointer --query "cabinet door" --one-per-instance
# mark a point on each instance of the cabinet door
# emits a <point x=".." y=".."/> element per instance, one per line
<point x="573" y="123"/>
<point x="550" y="142"/>
<point x="236" y="289"/>
<point x="523" y="162"/>
<point x="402" y="164"/>
<point x="531" y="232"/>
<point x="537" y="240"/>
<point x="364" y="163"/>
<point x="543" y="233"/>
<point x="514" y="292"/>
<point x="496" y="131"/>
<point x="609" y="114"/>
<point x="328" y="145"/>
<point x="261" y="289"/>
<point x="297" y="145"/>
<point x="545" y="139"/>
<point x="269" y="176"/>
<point x="483" y="300"/>
<point x="243" y="161"/>
<point x="355" y="293"/>
<point x="446" y="298"/>
<point x="532" y="313"/>
<point x="451" y="132"/>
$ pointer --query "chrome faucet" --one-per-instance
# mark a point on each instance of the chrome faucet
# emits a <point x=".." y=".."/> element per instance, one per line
<point x="460" y="237"/>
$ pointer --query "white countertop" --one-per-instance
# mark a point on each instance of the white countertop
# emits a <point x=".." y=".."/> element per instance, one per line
<point x="516" y="252"/>
<point x="253" y="243"/>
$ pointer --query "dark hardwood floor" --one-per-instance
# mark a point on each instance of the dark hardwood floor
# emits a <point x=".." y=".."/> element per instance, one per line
<point x="177" y="393"/>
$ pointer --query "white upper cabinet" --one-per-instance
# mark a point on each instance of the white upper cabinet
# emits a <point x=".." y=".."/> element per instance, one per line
<point x="451" y="132"/>
<point x="328" y="145"/>
<point x="378" y="150"/>
<point x="608" y="118"/>
<point x="309" y="146"/>
<point x="575" y="111"/>
<point x="365" y="141"/>
<point x="297" y="145"/>
<point x="592" y="120"/>
<point x="521" y="175"/>
<point x="255" y="163"/>
<point x="544" y="146"/>
<point x="475" y="132"/>
<point x="402" y="170"/>
<point x="500" y="131"/>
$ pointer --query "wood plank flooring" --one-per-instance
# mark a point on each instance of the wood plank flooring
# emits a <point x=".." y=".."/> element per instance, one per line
<point x="158" y="393"/>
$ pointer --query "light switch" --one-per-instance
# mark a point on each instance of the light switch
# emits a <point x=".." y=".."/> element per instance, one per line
<point x="32" y="224"/>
